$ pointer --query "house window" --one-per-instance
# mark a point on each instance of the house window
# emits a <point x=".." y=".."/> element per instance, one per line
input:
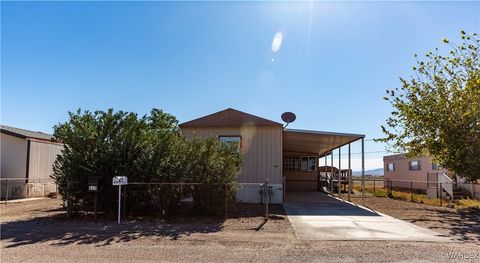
<point x="436" y="166"/>
<point x="414" y="165"/>
<point x="390" y="167"/>
<point x="237" y="140"/>
<point x="291" y="163"/>
<point x="297" y="163"/>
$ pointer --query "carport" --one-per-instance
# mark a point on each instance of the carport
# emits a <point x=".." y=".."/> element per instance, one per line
<point x="309" y="161"/>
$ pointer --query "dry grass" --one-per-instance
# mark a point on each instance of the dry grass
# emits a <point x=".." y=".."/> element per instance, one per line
<point x="418" y="198"/>
<point x="467" y="203"/>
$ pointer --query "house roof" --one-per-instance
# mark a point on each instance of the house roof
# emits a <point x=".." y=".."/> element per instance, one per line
<point x="229" y="118"/>
<point x="318" y="142"/>
<point x="25" y="134"/>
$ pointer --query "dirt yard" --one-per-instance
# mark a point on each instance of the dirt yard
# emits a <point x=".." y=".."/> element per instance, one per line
<point x="39" y="232"/>
<point x="461" y="224"/>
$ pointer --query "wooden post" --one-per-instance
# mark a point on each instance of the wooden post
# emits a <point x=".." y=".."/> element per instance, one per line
<point x="374" y="192"/>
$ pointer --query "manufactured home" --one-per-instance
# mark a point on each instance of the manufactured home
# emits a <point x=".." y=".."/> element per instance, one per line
<point x="288" y="159"/>
<point x="411" y="172"/>
<point x="424" y="175"/>
<point x="27" y="159"/>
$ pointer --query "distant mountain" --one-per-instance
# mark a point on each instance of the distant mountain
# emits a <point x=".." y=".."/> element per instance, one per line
<point x="374" y="172"/>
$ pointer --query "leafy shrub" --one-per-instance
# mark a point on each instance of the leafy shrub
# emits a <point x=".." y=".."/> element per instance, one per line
<point x="148" y="149"/>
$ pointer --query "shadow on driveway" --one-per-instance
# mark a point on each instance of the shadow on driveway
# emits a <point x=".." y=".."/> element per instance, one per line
<point x="321" y="204"/>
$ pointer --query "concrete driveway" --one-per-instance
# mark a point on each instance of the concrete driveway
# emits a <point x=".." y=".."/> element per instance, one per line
<point x="318" y="216"/>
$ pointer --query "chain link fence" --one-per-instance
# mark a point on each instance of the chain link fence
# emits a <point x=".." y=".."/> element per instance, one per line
<point x="17" y="188"/>
<point x="164" y="200"/>
<point x="416" y="190"/>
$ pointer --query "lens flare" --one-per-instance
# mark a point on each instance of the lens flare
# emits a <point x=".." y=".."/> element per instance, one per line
<point x="277" y="42"/>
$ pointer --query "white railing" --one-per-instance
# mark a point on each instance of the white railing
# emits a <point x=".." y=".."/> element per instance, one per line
<point x="446" y="183"/>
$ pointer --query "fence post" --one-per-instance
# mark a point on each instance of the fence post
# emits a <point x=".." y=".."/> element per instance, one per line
<point x="226" y="203"/>
<point x="266" y="198"/>
<point x="68" y="198"/>
<point x="95" y="208"/>
<point x="473" y="190"/>
<point x="441" y="195"/>
<point x="390" y="188"/>
<point x="6" y="193"/>
<point x="411" y="191"/>
<point x="374" y="192"/>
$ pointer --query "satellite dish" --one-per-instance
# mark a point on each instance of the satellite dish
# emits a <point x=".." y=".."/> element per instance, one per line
<point x="288" y="117"/>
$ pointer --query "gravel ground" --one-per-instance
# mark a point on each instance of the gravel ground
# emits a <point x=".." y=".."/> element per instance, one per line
<point x="40" y="233"/>
<point x="460" y="224"/>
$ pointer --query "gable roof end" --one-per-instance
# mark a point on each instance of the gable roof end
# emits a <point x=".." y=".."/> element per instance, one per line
<point x="229" y="118"/>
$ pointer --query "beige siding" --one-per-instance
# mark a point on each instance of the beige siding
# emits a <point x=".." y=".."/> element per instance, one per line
<point x="42" y="157"/>
<point x="261" y="147"/>
<point x="14" y="157"/>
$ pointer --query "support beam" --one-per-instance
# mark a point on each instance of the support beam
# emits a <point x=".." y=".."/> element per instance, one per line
<point x="349" y="171"/>
<point x="339" y="171"/>
<point x="363" y="168"/>
<point x="326" y="177"/>
<point x="331" y="175"/>
<point x="318" y="174"/>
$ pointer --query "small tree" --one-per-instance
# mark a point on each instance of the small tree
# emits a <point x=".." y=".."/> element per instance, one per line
<point x="437" y="110"/>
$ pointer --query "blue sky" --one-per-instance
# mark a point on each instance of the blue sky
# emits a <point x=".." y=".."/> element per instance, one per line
<point x="194" y="58"/>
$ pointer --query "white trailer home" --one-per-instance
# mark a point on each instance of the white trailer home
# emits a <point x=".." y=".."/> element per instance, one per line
<point x="26" y="163"/>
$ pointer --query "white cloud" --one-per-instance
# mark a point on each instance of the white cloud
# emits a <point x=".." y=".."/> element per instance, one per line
<point x="277" y="42"/>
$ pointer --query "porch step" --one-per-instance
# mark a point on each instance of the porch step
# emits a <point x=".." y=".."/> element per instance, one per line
<point x="459" y="193"/>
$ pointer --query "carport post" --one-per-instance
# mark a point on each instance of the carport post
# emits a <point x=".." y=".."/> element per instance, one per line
<point x="349" y="172"/>
<point x="339" y="171"/>
<point x="326" y="181"/>
<point x="363" y="167"/>
<point x="331" y="175"/>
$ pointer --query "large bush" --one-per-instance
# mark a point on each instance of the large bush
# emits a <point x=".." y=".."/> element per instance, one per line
<point x="148" y="149"/>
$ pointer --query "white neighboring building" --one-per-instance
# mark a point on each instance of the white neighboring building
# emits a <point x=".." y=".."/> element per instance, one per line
<point x="26" y="165"/>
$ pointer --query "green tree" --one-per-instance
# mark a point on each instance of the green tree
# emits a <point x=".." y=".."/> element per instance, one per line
<point x="148" y="149"/>
<point x="437" y="109"/>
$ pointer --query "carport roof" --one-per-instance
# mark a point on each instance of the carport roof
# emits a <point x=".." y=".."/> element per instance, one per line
<point x="318" y="142"/>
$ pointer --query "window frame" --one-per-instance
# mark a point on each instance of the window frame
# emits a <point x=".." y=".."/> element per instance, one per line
<point x="417" y="167"/>
<point x="393" y="167"/>
<point x="297" y="163"/>
<point x="232" y="136"/>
